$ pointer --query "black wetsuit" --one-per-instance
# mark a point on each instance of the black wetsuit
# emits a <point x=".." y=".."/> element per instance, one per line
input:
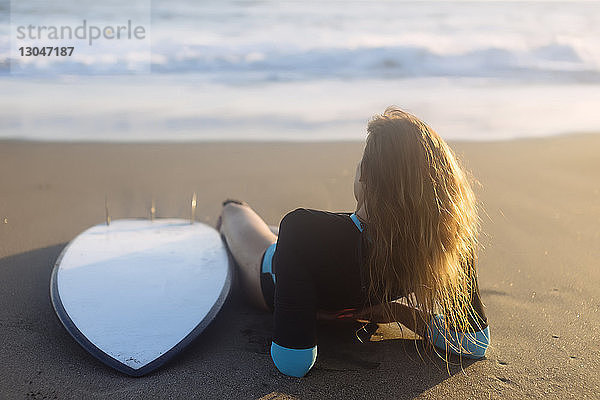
<point x="318" y="263"/>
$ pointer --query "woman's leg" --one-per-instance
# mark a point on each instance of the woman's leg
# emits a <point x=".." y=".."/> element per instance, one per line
<point x="247" y="236"/>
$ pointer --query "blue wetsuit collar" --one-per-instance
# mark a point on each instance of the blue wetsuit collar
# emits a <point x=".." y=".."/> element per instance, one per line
<point x="356" y="221"/>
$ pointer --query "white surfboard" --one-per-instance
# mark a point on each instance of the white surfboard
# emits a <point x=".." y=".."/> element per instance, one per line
<point x="134" y="293"/>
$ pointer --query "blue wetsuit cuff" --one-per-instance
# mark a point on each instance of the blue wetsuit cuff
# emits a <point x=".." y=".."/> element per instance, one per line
<point x="267" y="264"/>
<point x="293" y="362"/>
<point x="469" y="344"/>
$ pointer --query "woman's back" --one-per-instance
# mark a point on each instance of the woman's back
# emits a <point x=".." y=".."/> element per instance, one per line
<point x="331" y="248"/>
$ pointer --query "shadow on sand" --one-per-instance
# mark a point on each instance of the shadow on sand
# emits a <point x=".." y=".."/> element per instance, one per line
<point x="230" y="359"/>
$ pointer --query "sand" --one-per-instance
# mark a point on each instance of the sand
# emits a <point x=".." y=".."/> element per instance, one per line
<point x="539" y="269"/>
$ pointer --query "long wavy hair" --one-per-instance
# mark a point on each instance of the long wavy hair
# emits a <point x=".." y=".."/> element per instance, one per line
<point x="422" y="219"/>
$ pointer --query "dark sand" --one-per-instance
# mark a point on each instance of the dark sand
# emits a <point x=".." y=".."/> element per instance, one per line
<point x="539" y="270"/>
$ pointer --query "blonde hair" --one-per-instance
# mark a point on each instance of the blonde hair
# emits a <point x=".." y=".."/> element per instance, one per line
<point x="422" y="219"/>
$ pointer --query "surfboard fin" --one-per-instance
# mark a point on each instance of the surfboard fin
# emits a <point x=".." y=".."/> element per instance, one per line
<point x="193" y="214"/>
<point x="152" y="210"/>
<point x="107" y="214"/>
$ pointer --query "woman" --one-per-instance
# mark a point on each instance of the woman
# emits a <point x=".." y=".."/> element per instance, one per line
<point x="412" y="237"/>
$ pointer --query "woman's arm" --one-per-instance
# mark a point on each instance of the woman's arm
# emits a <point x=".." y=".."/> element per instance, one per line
<point x="294" y="345"/>
<point x="468" y="344"/>
<point x="410" y="317"/>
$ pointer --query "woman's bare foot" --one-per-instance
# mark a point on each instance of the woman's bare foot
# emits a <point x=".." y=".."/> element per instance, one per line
<point x="220" y="219"/>
<point x="247" y="237"/>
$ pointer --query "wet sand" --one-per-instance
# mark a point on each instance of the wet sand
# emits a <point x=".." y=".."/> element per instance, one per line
<point x="539" y="270"/>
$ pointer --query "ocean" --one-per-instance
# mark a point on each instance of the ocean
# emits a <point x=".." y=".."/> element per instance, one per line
<point x="300" y="71"/>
